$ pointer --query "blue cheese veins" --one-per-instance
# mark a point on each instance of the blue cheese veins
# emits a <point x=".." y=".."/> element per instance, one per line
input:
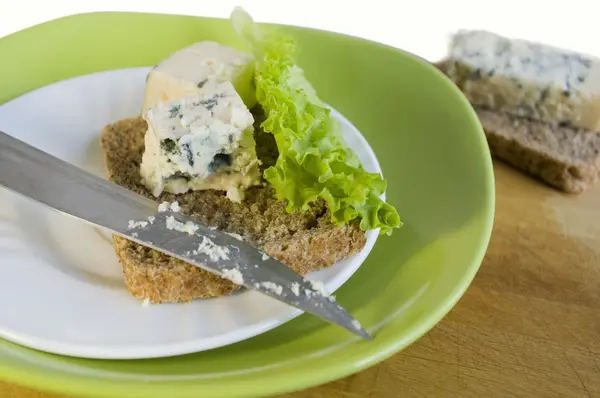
<point x="187" y="71"/>
<point x="526" y="79"/>
<point x="201" y="142"/>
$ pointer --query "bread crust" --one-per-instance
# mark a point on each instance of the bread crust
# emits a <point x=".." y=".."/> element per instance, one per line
<point x="303" y="241"/>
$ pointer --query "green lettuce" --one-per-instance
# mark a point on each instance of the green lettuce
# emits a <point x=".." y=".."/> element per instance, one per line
<point x="314" y="160"/>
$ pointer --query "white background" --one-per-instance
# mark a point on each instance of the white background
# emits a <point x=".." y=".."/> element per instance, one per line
<point x="419" y="26"/>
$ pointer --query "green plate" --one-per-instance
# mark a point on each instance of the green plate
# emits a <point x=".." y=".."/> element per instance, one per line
<point x="433" y="153"/>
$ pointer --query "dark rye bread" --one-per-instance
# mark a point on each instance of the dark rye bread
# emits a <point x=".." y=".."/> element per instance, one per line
<point x="305" y="242"/>
<point x="563" y="157"/>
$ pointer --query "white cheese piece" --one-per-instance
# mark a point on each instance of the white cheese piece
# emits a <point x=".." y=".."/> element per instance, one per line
<point x="234" y="275"/>
<point x="265" y="257"/>
<point x="295" y="288"/>
<point x="201" y="142"/>
<point x="164" y="207"/>
<point x="319" y="287"/>
<point x="137" y="224"/>
<point x="175" y="207"/>
<point x="236" y="236"/>
<point x="526" y="79"/>
<point x="186" y="72"/>
<point x="273" y="287"/>
<point x="189" y="227"/>
<point x="212" y="250"/>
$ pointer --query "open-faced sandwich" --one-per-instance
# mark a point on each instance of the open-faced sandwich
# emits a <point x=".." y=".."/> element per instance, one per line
<point x="242" y="143"/>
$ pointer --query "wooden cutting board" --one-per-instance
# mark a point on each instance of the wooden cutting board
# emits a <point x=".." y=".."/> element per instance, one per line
<point x="529" y="325"/>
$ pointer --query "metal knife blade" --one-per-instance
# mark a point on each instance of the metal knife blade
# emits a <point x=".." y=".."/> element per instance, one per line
<point x="53" y="182"/>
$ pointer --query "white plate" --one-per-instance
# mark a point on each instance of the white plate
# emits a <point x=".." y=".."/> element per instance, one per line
<point x="61" y="287"/>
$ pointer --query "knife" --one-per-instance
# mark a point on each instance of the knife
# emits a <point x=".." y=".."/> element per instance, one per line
<point x="62" y="186"/>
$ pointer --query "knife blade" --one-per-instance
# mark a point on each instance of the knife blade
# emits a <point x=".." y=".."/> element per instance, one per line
<point x="68" y="189"/>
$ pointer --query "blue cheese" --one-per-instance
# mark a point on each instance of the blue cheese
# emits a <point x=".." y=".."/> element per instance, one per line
<point x="273" y="287"/>
<point x="201" y="142"/>
<point x="319" y="288"/>
<point x="526" y="79"/>
<point x="233" y="275"/>
<point x="212" y="250"/>
<point x="187" y="71"/>
<point x="295" y="288"/>
<point x="236" y="236"/>
<point x="189" y="227"/>
<point x="137" y="224"/>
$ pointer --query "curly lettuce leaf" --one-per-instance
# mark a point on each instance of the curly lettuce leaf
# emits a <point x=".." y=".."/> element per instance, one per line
<point x="314" y="160"/>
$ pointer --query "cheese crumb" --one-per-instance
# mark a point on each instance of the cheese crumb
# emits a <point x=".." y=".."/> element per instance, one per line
<point x="265" y="257"/>
<point x="275" y="288"/>
<point x="189" y="227"/>
<point x="319" y="287"/>
<point x="146" y="302"/>
<point x="234" y="275"/>
<point x="135" y="224"/>
<point x="295" y="288"/>
<point x="212" y="250"/>
<point x="175" y="207"/>
<point x="151" y="219"/>
<point x="236" y="236"/>
<point x="164" y="206"/>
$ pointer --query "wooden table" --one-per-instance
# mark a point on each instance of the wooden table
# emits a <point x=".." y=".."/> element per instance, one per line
<point x="529" y="325"/>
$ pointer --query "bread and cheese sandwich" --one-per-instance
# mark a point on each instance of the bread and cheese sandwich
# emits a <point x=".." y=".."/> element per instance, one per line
<point x="243" y="144"/>
<point x="539" y="106"/>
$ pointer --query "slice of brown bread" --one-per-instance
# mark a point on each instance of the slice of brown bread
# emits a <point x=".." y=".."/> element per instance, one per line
<point x="303" y="241"/>
<point x="565" y="158"/>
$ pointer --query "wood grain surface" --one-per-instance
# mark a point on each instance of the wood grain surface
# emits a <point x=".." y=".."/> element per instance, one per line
<point x="529" y="325"/>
